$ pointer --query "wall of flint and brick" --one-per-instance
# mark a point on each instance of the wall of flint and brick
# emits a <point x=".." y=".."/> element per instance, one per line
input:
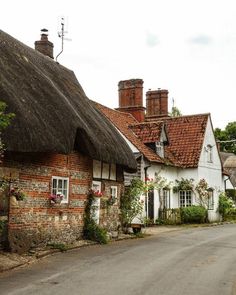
<point x="34" y="221"/>
<point x="109" y="216"/>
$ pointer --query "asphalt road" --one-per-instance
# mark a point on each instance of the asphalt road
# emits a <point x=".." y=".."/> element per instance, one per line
<point x="187" y="262"/>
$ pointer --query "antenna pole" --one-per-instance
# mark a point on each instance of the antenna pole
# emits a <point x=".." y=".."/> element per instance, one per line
<point x="61" y="35"/>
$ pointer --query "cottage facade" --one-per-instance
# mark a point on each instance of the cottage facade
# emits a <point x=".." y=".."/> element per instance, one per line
<point x="57" y="144"/>
<point x="174" y="148"/>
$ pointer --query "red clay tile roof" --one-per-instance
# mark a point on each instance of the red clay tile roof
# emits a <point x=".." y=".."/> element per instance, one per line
<point x="148" y="131"/>
<point x="185" y="135"/>
<point x="122" y="121"/>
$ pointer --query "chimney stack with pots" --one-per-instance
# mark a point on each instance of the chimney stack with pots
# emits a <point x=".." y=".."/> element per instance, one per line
<point x="131" y="98"/>
<point x="156" y="104"/>
<point x="44" y="45"/>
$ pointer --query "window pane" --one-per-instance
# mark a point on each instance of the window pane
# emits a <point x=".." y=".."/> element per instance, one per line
<point x="188" y="198"/>
<point x="166" y="200"/>
<point x="54" y="183"/>
<point x="185" y="198"/>
<point x="59" y="185"/>
<point x="182" y="199"/>
<point x="113" y="191"/>
<point x="210" y="200"/>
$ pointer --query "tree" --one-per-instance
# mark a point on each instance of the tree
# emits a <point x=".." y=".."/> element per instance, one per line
<point x="175" y="112"/>
<point x="227" y="137"/>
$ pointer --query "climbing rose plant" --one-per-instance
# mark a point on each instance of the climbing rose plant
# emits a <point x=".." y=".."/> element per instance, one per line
<point x="183" y="185"/>
<point x="202" y="190"/>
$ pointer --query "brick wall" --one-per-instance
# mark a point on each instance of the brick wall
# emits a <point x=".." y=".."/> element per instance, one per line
<point x="109" y="217"/>
<point x="34" y="221"/>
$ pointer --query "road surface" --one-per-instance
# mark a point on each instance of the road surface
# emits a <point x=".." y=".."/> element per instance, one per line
<point x="199" y="261"/>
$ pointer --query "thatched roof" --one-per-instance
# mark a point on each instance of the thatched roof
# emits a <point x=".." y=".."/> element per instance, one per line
<point x="52" y="111"/>
<point x="229" y="164"/>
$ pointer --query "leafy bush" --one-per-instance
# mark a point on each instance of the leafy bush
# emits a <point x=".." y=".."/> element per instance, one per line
<point x="230" y="214"/>
<point x="231" y="193"/>
<point x="231" y="211"/>
<point x="193" y="214"/>
<point x="94" y="232"/>
<point x="130" y="204"/>
<point x="225" y="203"/>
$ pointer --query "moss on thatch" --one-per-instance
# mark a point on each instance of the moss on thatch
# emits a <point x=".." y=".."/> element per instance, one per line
<point x="52" y="111"/>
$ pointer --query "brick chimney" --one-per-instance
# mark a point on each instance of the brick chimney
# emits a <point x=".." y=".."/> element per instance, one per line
<point x="44" y="46"/>
<point x="156" y="104"/>
<point x="131" y="98"/>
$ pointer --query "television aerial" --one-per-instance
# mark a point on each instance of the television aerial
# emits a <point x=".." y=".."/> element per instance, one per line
<point x="61" y="34"/>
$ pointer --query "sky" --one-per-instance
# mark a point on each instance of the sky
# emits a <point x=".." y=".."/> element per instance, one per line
<point x="187" y="47"/>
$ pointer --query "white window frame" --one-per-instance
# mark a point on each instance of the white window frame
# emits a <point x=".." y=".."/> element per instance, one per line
<point x="63" y="190"/>
<point x="210" y="203"/>
<point x="185" y="198"/>
<point x="166" y="198"/>
<point x="114" y="194"/>
<point x="96" y="186"/>
<point x="209" y="153"/>
<point x="159" y="148"/>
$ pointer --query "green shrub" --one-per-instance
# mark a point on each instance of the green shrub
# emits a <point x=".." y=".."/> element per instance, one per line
<point x="193" y="214"/>
<point x="231" y="211"/>
<point x="230" y="214"/>
<point x="225" y="203"/>
<point x="231" y="193"/>
<point x="94" y="232"/>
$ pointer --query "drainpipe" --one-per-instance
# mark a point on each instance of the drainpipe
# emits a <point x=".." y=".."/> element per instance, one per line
<point x="225" y="182"/>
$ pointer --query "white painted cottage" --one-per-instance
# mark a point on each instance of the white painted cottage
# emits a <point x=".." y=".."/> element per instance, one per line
<point x="174" y="148"/>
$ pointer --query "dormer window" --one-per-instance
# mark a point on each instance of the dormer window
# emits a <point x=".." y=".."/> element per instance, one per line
<point x="159" y="148"/>
<point x="209" y="151"/>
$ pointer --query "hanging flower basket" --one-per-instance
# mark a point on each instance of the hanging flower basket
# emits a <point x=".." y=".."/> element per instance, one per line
<point x="18" y="194"/>
<point x="56" y="198"/>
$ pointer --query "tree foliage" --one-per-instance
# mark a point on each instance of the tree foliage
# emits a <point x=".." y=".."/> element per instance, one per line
<point x="175" y="112"/>
<point x="225" y="203"/>
<point x="193" y="214"/>
<point x="228" y="134"/>
<point x="130" y="204"/>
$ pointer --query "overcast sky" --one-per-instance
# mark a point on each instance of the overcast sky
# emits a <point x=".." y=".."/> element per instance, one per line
<point x="185" y="46"/>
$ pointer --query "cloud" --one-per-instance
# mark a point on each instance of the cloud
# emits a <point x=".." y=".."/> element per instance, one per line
<point x="201" y="40"/>
<point x="152" y="40"/>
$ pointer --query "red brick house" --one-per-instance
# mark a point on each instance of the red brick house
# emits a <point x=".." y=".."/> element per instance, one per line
<point x="57" y="143"/>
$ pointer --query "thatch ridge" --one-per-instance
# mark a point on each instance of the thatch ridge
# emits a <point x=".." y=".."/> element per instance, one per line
<point x="52" y="111"/>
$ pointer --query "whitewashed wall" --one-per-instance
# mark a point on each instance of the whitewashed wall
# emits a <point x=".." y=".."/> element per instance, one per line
<point x="211" y="172"/>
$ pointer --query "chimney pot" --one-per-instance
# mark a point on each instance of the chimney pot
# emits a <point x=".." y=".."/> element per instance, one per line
<point x="131" y="98"/>
<point x="44" y="45"/>
<point x="156" y="104"/>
